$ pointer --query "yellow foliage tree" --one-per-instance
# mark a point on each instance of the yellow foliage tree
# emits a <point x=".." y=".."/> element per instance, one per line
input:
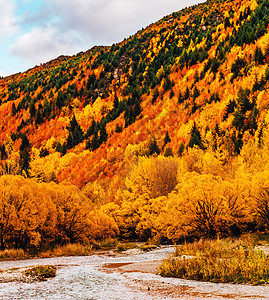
<point x="211" y="206"/>
<point x="149" y="179"/>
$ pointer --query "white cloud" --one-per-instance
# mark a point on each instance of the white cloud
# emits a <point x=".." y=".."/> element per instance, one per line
<point x="8" y="24"/>
<point x="42" y="44"/>
<point x="108" y="21"/>
<point x="68" y="27"/>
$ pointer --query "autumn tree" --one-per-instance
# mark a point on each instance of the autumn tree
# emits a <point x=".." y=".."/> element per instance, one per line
<point x="263" y="205"/>
<point x="212" y="207"/>
<point x="150" y="178"/>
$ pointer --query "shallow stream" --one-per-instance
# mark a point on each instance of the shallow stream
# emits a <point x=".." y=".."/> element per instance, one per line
<point x="88" y="277"/>
<point x="80" y="278"/>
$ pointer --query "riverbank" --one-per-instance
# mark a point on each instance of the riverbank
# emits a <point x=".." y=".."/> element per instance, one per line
<point x="113" y="275"/>
<point x="142" y="276"/>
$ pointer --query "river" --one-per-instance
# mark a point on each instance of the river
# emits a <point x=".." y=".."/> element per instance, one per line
<point x="89" y="277"/>
<point x="80" y="278"/>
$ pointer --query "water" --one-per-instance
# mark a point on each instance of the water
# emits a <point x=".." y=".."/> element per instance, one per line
<point x="80" y="278"/>
<point x="86" y="278"/>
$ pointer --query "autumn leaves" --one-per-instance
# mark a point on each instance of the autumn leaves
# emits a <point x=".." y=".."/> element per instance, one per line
<point x="165" y="200"/>
<point x="33" y="215"/>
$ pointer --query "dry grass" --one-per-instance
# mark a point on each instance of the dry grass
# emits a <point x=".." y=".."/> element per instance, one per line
<point x="125" y="246"/>
<point x="13" y="254"/>
<point x="68" y="250"/>
<point x="41" y="273"/>
<point x="218" y="261"/>
<point x="107" y="244"/>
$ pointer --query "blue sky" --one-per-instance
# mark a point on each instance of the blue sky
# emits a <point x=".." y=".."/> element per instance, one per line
<point x="36" y="31"/>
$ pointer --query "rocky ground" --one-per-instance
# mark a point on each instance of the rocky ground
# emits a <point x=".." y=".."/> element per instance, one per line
<point x="142" y="277"/>
<point x="174" y="288"/>
<point x="15" y="275"/>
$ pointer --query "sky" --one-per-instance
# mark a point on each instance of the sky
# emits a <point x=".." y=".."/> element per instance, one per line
<point x="35" y="31"/>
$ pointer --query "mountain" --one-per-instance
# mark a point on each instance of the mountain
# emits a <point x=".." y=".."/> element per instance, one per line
<point x="197" y="79"/>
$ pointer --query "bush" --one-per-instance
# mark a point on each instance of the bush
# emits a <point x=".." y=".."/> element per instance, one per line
<point x="125" y="246"/>
<point x="13" y="254"/>
<point x="218" y="261"/>
<point x="68" y="250"/>
<point x="41" y="273"/>
<point x="108" y="243"/>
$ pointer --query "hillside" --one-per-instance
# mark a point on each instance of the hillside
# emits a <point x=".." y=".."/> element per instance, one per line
<point x="193" y="86"/>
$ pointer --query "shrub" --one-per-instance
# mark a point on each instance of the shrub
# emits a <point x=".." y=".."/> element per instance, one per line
<point x="41" y="273"/>
<point x="68" y="250"/>
<point x="125" y="246"/>
<point x="13" y="254"/>
<point x="218" y="261"/>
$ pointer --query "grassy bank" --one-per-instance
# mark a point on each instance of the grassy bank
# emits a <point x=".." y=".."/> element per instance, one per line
<point x="235" y="261"/>
<point x="76" y="249"/>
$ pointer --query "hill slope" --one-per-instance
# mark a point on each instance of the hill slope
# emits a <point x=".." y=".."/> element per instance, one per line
<point x="205" y="64"/>
<point x="192" y="84"/>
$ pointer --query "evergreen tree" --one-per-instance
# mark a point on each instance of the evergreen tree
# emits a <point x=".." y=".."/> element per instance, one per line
<point x="103" y="135"/>
<point x="153" y="148"/>
<point x="238" y="121"/>
<point x="195" y="137"/>
<point x="95" y="142"/>
<point x="118" y="128"/>
<point x="172" y="94"/>
<point x="46" y="109"/>
<point x="38" y="118"/>
<point x="70" y="140"/>
<point x="244" y="101"/>
<point x="14" y="110"/>
<point x="258" y="56"/>
<point x="76" y="135"/>
<point x="168" y="152"/>
<point x="32" y="109"/>
<point x="116" y="103"/>
<point x="24" y="142"/>
<point x="166" y="138"/>
<point x="230" y="109"/>
<point x="196" y="93"/>
<point x="44" y="152"/>
<point x="180" y="98"/>
<point x="24" y="161"/>
<point x="93" y="127"/>
<point x="24" y="155"/>
<point x="155" y="95"/>
<point x="60" y="101"/>
<point x="3" y="152"/>
<point x="238" y="145"/>
<point x="180" y="149"/>
<point x="187" y="94"/>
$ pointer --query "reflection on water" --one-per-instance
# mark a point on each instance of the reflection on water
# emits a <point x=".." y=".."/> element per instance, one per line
<point x="79" y="278"/>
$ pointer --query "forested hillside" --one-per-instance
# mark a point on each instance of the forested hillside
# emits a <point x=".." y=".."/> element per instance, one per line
<point x="164" y="135"/>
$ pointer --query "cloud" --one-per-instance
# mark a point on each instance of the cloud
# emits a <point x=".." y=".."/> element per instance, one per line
<point x="44" y="43"/>
<point x="108" y="21"/>
<point x="8" y="24"/>
<point x="67" y="27"/>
